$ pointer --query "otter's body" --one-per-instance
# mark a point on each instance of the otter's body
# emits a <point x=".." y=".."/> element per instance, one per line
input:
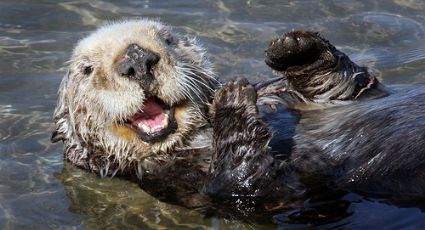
<point x="145" y="106"/>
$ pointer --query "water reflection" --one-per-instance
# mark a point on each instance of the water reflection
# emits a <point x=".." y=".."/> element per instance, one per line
<point x="36" y="39"/>
<point x="120" y="203"/>
<point x="104" y="203"/>
<point x="107" y="203"/>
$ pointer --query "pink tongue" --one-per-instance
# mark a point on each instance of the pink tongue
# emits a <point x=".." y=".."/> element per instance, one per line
<point x="152" y="115"/>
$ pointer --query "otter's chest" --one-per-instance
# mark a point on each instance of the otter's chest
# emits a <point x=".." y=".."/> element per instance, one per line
<point x="282" y="123"/>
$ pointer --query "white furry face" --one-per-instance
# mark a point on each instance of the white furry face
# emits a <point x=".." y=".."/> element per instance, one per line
<point x="97" y="101"/>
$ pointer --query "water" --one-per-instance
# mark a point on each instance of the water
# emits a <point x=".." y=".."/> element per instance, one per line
<point x="36" y="38"/>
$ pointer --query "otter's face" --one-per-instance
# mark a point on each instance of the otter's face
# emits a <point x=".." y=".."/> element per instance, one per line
<point x="134" y="91"/>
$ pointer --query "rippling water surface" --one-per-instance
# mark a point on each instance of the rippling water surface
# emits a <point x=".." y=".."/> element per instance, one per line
<point x="36" y="38"/>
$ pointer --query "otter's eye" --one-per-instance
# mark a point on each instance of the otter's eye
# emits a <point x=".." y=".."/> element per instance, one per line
<point x="169" y="40"/>
<point x="88" y="70"/>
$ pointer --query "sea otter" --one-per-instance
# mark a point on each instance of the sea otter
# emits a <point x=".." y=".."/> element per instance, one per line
<point x="142" y="102"/>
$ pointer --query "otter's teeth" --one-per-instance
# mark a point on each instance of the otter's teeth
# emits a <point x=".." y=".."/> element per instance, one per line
<point x="165" y="121"/>
<point x="144" y="127"/>
<point x="163" y="124"/>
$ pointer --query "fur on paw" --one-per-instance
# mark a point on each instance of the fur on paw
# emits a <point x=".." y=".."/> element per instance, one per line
<point x="235" y="93"/>
<point x="234" y="103"/>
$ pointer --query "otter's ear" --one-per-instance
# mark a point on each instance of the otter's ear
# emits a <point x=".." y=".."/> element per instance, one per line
<point x="192" y="43"/>
<point x="61" y="114"/>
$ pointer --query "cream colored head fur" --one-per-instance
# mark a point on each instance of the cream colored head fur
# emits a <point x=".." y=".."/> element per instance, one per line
<point x="94" y="99"/>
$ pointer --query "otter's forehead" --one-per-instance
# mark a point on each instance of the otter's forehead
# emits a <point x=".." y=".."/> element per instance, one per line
<point x="113" y="38"/>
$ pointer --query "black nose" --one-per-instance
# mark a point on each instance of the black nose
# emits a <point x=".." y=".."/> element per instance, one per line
<point x="137" y="63"/>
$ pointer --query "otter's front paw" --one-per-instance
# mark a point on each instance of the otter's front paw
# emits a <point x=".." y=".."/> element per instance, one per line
<point x="240" y="139"/>
<point x="296" y="48"/>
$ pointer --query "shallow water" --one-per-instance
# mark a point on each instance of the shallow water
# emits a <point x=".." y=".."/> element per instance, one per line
<point x="36" y="38"/>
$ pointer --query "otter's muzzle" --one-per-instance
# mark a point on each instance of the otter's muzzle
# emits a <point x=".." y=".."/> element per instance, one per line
<point x="138" y="64"/>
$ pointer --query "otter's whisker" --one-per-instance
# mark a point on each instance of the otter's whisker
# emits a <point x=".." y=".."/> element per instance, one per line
<point x="101" y="173"/>
<point x="195" y="89"/>
<point x="202" y="83"/>
<point x="203" y="72"/>
<point x="186" y="91"/>
<point x="107" y="167"/>
<point x="114" y="173"/>
<point x="139" y="171"/>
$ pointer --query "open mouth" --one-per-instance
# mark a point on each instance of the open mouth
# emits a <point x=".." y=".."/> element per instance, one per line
<point x="154" y="122"/>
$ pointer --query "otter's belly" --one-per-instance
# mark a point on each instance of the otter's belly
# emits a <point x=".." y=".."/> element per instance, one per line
<point x="282" y="123"/>
<point x="374" y="146"/>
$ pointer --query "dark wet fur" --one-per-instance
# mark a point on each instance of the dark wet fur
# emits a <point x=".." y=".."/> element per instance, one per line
<point x="371" y="140"/>
<point x="374" y="146"/>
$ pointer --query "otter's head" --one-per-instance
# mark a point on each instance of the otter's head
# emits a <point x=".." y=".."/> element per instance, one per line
<point x="134" y="91"/>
